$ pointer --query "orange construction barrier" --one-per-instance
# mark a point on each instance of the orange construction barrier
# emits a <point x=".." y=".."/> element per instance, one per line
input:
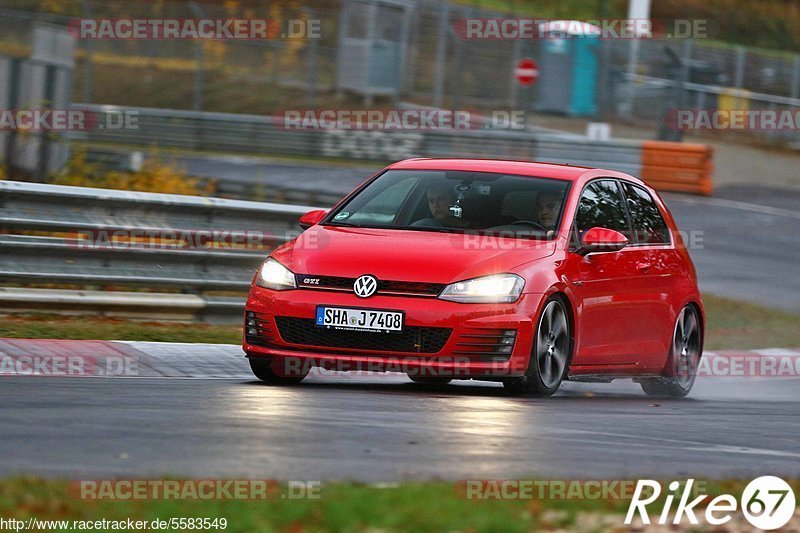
<point x="680" y="167"/>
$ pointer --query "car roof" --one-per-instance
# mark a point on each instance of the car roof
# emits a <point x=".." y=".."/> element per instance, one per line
<point x="522" y="168"/>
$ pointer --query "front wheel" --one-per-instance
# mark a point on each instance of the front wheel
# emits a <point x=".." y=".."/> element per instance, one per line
<point x="684" y="357"/>
<point x="550" y="354"/>
<point x="265" y="370"/>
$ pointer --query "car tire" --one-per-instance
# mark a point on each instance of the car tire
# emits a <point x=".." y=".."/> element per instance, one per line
<point x="685" y="351"/>
<point x="550" y="354"/>
<point x="263" y="370"/>
<point x="430" y="380"/>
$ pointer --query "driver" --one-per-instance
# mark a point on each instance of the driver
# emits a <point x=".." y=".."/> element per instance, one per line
<point x="441" y="196"/>
<point x="548" y="205"/>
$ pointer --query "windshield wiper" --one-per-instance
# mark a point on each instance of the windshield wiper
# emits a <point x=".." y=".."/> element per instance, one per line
<point x="342" y="224"/>
<point x="431" y="228"/>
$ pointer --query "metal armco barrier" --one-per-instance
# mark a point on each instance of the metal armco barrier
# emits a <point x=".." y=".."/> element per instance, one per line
<point x="102" y="241"/>
<point x="619" y="154"/>
<point x="264" y="135"/>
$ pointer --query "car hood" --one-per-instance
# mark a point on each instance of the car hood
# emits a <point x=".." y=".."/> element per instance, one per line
<point x="406" y="255"/>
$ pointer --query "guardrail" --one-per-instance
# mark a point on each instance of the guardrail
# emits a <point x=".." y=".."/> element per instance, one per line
<point x="311" y="183"/>
<point x="200" y="253"/>
<point x="265" y="135"/>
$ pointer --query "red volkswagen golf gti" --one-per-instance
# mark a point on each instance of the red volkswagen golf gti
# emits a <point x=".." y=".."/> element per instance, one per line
<point x="523" y="273"/>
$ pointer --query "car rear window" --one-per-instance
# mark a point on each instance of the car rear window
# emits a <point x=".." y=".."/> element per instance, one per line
<point x="648" y="225"/>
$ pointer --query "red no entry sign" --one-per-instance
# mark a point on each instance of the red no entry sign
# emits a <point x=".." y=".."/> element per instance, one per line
<point x="527" y="72"/>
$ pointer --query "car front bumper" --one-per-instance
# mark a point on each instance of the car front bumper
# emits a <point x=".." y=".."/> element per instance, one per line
<point x="477" y="344"/>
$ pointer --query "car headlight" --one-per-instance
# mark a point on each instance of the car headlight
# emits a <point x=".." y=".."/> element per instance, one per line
<point x="274" y="275"/>
<point x="498" y="288"/>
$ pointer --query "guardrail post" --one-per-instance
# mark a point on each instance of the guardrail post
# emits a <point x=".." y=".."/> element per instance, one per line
<point x="740" y="58"/>
<point x="794" y="91"/>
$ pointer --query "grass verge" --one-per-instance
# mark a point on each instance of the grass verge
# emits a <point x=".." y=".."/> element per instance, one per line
<point x="423" y="506"/>
<point x="731" y="325"/>
<point x="91" y="328"/>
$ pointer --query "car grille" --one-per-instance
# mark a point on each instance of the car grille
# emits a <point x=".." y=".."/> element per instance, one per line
<point x="411" y="340"/>
<point x="486" y="344"/>
<point x="257" y="329"/>
<point x="385" y="287"/>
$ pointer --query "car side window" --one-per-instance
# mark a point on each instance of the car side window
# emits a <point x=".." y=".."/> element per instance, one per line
<point x="648" y="224"/>
<point x="601" y="205"/>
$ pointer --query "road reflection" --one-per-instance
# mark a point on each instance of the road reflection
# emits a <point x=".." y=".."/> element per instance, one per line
<point x="265" y="401"/>
<point x="478" y="421"/>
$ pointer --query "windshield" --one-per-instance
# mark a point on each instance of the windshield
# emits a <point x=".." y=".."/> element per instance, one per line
<point x="457" y="201"/>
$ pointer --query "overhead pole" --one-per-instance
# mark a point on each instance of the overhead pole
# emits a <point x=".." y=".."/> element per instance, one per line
<point x="637" y="9"/>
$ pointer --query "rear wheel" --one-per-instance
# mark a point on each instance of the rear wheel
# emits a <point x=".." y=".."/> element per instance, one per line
<point x="269" y="371"/>
<point x="684" y="358"/>
<point x="550" y="354"/>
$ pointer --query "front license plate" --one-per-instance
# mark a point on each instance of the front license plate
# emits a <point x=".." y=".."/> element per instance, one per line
<point x="359" y="319"/>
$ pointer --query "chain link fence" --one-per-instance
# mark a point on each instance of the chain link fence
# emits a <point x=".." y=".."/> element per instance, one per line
<point x="394" y="50"/>
<point x="228" y="75"/>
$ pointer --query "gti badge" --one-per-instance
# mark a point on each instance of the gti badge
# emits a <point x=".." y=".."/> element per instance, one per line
<point x="365" y="286"/>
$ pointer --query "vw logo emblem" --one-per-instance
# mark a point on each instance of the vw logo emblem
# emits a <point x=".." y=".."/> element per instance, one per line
<point x="365" y="286"/>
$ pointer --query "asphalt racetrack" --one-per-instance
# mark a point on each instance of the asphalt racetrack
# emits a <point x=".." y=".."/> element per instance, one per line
<point x="195" y="410"/>
<point x="379" y="427"/>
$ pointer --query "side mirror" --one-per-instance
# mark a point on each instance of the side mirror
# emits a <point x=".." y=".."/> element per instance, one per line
<point x="601" y="240"/>
<point x="312" y="218"/>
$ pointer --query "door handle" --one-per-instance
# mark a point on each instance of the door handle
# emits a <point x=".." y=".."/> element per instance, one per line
<point x="643" y="266"/>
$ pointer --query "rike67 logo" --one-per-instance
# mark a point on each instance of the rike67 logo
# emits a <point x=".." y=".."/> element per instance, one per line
<point x="767" y="502"/>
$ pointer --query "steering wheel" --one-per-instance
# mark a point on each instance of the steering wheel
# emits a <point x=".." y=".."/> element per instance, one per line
<point x="529" y="223"/>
